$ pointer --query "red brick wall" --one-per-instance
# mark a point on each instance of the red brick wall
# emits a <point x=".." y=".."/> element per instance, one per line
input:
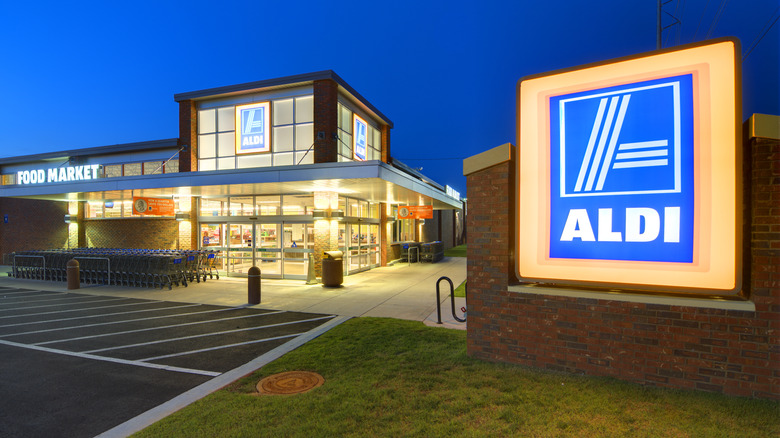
<point x="188" y="124"/>
<point x="325" y="121"/>
<point x="733" y="352"/>
<point x="132" y="233"/>
<point x="32" y="224"/>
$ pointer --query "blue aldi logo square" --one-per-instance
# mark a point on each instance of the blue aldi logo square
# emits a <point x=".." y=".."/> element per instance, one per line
<point x="622" y="172"/>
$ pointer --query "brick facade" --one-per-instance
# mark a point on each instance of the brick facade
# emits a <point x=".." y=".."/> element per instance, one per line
<point x="326" y="131"/>
<point x="734" y="352"/>
<point x="32" y="224"/>
<point x="188" y="124"/>
<point x="132" y="233"/>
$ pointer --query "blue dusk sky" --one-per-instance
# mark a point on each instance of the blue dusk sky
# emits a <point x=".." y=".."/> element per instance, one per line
<point x="87" y="73"/>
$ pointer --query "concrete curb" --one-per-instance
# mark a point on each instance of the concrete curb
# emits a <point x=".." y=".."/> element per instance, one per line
<point x="151" y="416"/>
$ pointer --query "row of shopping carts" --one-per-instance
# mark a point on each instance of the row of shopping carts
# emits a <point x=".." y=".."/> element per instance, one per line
<point x="118" y="266"/>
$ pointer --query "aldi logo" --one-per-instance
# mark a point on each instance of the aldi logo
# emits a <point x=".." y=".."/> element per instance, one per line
<point x="253" y="128"/>
<point x="628" y="174"/>
<point x="622" y="177"/>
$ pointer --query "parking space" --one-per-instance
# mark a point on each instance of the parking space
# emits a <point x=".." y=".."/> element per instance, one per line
<point x="139" y="352"/>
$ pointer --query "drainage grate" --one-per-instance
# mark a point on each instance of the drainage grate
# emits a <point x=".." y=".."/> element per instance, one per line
<point x="290" y="382"/>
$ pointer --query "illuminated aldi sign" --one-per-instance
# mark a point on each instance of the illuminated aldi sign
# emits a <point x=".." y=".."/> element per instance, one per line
<point x="629" y="174"/>
<point x="253" y="128"/>
<point x="360" y="134"/>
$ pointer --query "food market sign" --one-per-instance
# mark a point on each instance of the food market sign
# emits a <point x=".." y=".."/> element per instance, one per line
<point x="58" y="174"/>
<point x="629" y="174"/>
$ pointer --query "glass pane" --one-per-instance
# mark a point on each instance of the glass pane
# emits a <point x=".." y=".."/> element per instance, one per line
<point x="353" y="208"/>
<point x="112" y="170"/>
<point x="373" y="211"/>
<point x="206" y="165"/>
<point x="345" y="119"/>
<point x="304" y="136"/>
<point x="305" y="157"/>
<point x="242" y="206"/>
<point x="172" y="165"/>
<point x="283" y="139"/>
<point x="304" y="109"/>
<point x="226" y="144"/>
<point x="345" y="144"/>
<point x="258" y="160"/>
<point x="226" y="119"/>
<point x="226" y="163"/>
<point x="240" y="248"/>
<point x="268" y="205"/>
<point x="153" y="167"/>
<point x="268" y="250"/>
<point x="93" y="209"/>
<point x="207" y="146"/>
<point x="283" y="112"/>
<point x="126" y="206"/>
<point x="373" y="234"/>
<point x="240" y="237"/>
<point x="378" y="140"/>
<point x="206" y="121"/>
<point x="211" y="236"/>
<point x="132" y="169"/>
<point x="213" y="207"/>
<point x="298" y="204"/>
<point x="285" y="159"/>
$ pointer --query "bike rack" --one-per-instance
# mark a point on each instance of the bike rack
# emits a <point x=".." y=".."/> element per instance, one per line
<point x="452" y="300"/>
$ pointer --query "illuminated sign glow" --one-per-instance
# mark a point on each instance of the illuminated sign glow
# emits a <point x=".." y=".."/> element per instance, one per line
<point x="360" y="134"/>
<point x="58" y="174"/>
<point x="253" y="133"/>
<point x="628" y="174"/>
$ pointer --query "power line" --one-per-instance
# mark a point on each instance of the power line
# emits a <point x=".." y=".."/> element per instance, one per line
<point x="762" y="35"/>
<point x="700" y="20"/>
<point x="723" y="4"/>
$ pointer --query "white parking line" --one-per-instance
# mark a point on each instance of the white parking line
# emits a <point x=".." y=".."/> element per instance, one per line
<point x="221" y="347"/>
<point x="157" y="328"/>
<point x="16" y="309"/>
<point x="28" y="292"/>
<point x="113" y="360"/>
<point x="101" y="315"/>
<point x="76" y="310"/>
<point x="113" y="322"/>
<point x="204" y="335"/>
<point x="17" y="300"/>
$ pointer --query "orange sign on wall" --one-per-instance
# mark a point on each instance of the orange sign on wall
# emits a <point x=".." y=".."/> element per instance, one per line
<point x="415" y="212"/>
<point x="154" y="206"/>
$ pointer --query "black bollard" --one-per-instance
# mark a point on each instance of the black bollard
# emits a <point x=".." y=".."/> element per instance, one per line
<point x="253" y="284"/>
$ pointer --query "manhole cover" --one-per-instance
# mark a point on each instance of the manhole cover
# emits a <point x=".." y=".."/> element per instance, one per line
<point x="290" y="382"/>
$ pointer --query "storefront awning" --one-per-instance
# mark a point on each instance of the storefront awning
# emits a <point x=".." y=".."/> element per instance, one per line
<point x="373" y="180"/>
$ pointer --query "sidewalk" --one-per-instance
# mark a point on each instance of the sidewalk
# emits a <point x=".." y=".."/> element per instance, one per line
<point x="400" y="291"/>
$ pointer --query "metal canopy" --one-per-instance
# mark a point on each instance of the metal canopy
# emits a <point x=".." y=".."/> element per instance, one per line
<point x="373" y="180"/>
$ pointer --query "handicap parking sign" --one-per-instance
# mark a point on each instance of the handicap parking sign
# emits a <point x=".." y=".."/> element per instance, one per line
<point x="622" y="172"/>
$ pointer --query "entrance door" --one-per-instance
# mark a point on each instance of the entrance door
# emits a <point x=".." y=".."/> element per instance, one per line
<point x="298" y="244"/>
<point x="240" y="248"/>
<point x="357" y="247"/>
<point x="268" y="250"/>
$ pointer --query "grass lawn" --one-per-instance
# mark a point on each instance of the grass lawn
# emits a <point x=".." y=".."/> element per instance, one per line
<point x="456" y="251"/>
<point x="386" y="377"/>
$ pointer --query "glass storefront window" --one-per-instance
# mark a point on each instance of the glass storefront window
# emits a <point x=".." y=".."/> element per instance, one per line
<point x="268" y="205"/>
<point x="213" y="207"/>
<point x="242" y="206"/>
<point x="298" y="204"/>
<point x="373" y="211"/>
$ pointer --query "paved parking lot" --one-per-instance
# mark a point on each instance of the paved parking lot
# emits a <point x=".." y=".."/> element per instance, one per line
<point x="77" y="365"/>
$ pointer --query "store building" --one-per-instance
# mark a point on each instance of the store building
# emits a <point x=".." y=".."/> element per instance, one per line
<point x="266" y="172"/>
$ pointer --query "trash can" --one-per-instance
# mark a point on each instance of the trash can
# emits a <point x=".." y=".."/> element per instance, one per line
<point x="332" y="268"/>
